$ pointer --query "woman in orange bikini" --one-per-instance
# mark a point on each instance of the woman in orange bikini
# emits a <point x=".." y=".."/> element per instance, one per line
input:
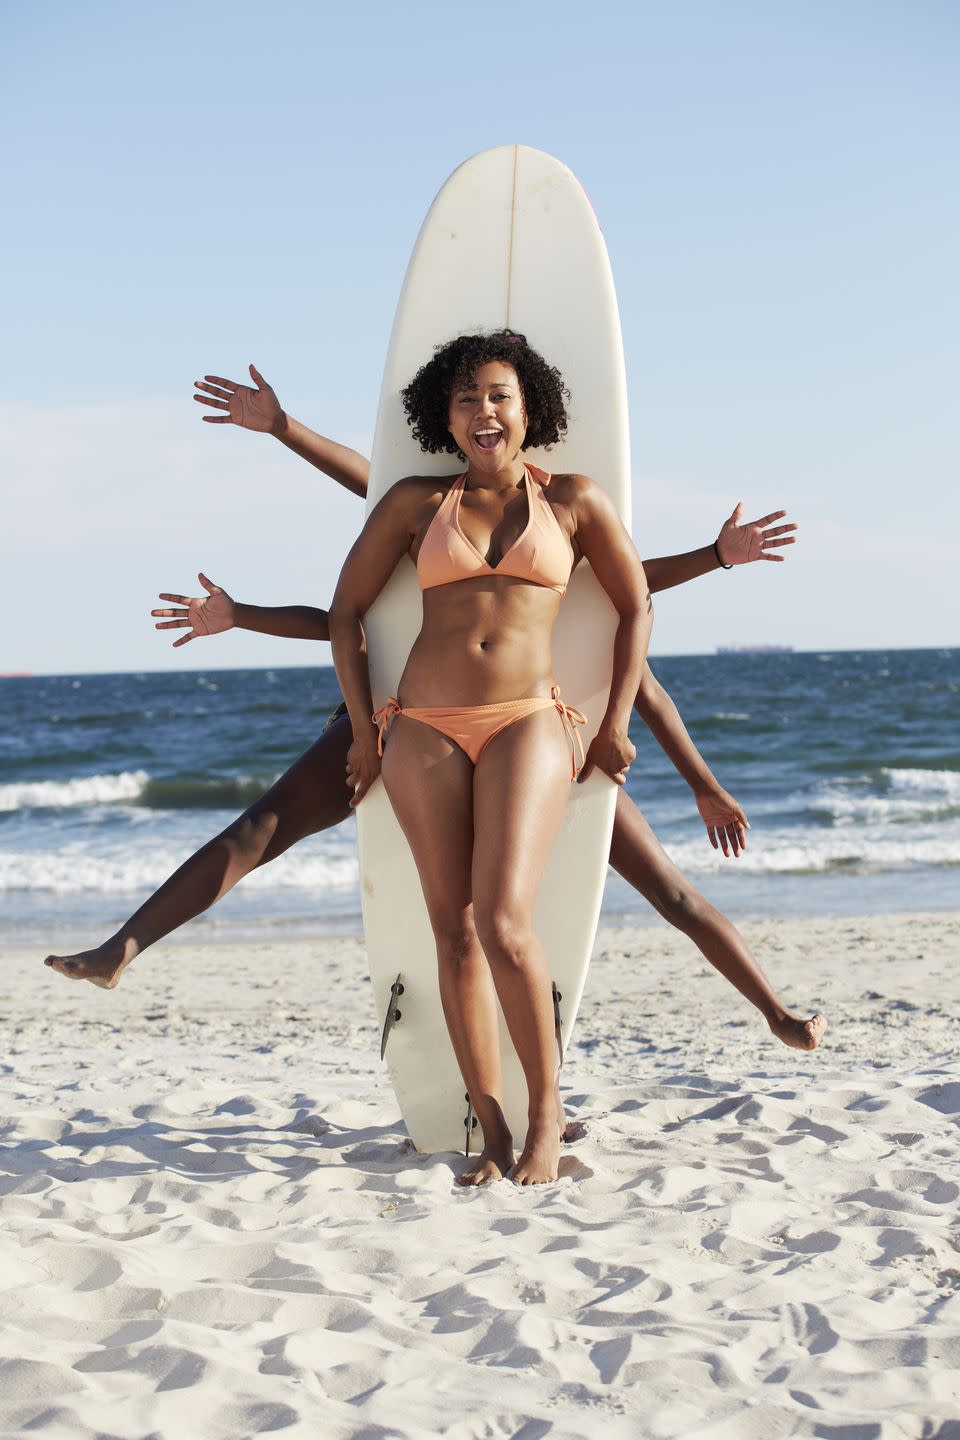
<point x="479" y="747"/>
<point x="312" y="796"/>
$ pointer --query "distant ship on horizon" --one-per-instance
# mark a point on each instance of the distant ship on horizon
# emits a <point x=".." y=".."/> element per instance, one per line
<point x="754" y="649"/>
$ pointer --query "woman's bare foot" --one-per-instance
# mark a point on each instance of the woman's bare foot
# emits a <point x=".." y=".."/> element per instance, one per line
<point x="492" y="1163"/>
<point x="800" y="1034"/>
<point x="102" y="966"/>
<point x="540" y="1161"/>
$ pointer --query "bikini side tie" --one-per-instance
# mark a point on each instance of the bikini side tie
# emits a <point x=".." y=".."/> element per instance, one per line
<point x="571" y="719"/>
<point x="382" y="717"/>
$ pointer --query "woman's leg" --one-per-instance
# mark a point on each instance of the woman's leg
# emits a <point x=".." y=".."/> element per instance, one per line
<point x="430" y="783"/>
<point x="637" y="855"/>
<point x="312" y="795"/>
<point x="521" y="785"/>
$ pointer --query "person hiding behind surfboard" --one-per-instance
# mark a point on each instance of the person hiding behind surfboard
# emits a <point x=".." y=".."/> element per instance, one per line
<point x="478" y="748"/>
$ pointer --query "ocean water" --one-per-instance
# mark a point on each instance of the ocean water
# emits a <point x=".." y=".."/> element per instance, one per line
<point x="847" y="764"/>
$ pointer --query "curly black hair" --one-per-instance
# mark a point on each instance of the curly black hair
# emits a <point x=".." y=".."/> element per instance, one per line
<point x="427" y="398"/>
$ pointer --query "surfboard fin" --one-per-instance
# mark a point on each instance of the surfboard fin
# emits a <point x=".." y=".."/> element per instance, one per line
<point x="392" y="1015"/>
<point x="557" y="997"/>
<point x="469" y="1124"/>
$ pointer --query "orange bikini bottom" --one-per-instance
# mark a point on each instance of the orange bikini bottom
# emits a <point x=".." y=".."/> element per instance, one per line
<point x="472" y="727"/>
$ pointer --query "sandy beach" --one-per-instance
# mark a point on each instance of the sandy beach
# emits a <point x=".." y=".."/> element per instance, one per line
<point x="215" y="1227"/>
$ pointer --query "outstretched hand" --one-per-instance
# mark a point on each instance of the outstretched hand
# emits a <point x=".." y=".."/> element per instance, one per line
<point x="739" y="543"/>
<point x="725" y="821"/>
<point x="253" y="409"/>
<point x="208" y="614"/>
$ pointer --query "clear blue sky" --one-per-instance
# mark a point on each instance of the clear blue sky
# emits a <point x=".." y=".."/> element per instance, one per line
<point x="188" y="189"/>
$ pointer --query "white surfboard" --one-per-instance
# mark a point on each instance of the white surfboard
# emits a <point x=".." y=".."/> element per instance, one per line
<point x="510" y="241"/>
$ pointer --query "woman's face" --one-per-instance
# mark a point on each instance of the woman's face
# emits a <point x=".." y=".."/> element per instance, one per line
<point x="487" y="418"/>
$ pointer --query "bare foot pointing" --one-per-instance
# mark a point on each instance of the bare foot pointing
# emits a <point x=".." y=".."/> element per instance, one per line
<point x="102" y="966"/>
<point x="800" y="1034"/>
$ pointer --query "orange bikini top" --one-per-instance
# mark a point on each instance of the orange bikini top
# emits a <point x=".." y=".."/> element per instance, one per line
<point x="539" y="554"/>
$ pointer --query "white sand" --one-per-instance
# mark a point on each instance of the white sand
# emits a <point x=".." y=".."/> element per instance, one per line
<point x="213" y="1226"/>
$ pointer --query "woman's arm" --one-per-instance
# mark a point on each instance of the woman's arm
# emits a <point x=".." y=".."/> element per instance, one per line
<point x="605" y="544"/>
<point x="385" y="537"/>
<point x="259" y="409"/>
<point x="723" y="817"/>
<point x="215" y="612"/>
<point x="737" y="544"/>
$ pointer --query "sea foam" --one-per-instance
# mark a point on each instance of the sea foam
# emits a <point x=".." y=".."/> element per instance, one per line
<point x="896" y="797"/>
<point x="124" y="869"/>
<point x="814" y="852"/>
<point x="82" y="790"/>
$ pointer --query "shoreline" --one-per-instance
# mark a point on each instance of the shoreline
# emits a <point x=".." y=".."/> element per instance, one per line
<point x="227" y="924"/>
<point x="216" y="1225"/>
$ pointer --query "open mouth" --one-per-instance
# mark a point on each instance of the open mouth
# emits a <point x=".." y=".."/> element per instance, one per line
<point x="487" y="439"/>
